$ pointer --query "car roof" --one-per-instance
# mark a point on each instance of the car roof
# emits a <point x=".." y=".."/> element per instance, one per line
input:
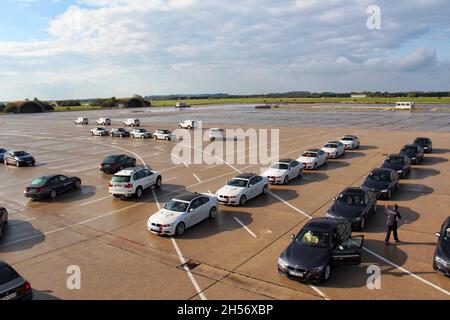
<point x="322" y="223"/>
<point x="130" y="171"/>
<point x="287" y="160"/>
<point x="188" y="196"/>
<point x="312" y="150"/>
<point x="381" y="170"/>
<point x="410" y="145"/>
<point x="49" y="176"/>
<point x="354" y="190"/>
<point x="114" y="155"/>
<point x="422" y="138"/>
<point x="246" y="175"/>
<point x="397" y="155"/>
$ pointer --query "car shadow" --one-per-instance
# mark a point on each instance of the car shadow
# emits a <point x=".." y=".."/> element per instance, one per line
<point x="422" y="173"/>
<point x="44" y="295"/>
<point x="366" y="147"/>
<point x="410" y="191"/>
<point x="309" y="177"/>
<point x="29" y="236"/>
<point x="429" y="160"/>
<point x="440" y="151"/>
<point x="352" y="155"/>
<point x="377" y="222"/>
<point x="334" y="164"/>
<point x="85" y="193"/>
<point x="225" y="221"/>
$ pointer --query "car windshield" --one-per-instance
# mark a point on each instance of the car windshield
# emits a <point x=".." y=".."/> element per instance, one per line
<point x="7" y="274"/>
<point x="20" y="153"/>
<point x="312" y="238"/>
<point x="216" y="130"/>
<point x="39" y="182"/>
<point x="347" y="139"/>
<point x="380" y="176"/>
<point x="175" y="205"/>
<point x="121" y="179"/>
<point x="351" y="199"/>
<point x="421" y="141"/>
<point x="142" y="130"/>
<point x="282" y="166"/>
<point x="237" y="183"/>
<point x="309" y="154"/>
<point x="331" y="145"/>
<point x="394" y="160"/>
<point x="110" y="159"/>
<point x="409" y="149"/>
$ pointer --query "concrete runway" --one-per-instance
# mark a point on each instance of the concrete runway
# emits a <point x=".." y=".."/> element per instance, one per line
<point x="237" y="252"/>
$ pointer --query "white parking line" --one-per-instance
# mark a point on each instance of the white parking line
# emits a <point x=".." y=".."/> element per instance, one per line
<point x="61" y="159"/>
<point x="245" y="227"/>
<point x="196" y="177"/>
<point x="160" y="149"/>
<point x="320" y="292"/>
<point x="93" y="201"/>
<point x="182" y="260"/>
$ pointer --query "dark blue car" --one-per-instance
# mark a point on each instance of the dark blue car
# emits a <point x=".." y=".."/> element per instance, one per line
<point x="399" y="163"/>
<point x="413" y="152"/>
<point x="12" y="285"/>
<point x="383" y="181"/>
<point x="441" y="262"/>
<point x="2" y="153"/>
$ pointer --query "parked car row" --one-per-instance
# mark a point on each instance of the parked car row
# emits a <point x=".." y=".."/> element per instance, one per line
<point x="141" y="133"/>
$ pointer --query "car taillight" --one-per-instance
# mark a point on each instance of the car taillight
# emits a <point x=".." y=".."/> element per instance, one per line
<point x="26" y="287"/>
<point x="110" y="185"/>
<point x="39" y="190"/>
<point x="129" y="186"/>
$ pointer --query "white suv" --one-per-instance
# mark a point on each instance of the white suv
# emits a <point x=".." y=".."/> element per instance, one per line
<point x="164" y="134"/>
<point x="216" y="134"/>
<point x="82" y="121"/>
<point x="188" y="124"/>
<point x="133" y="182"/>
<point x="140" y="133"/>
<point x="103" y="122"/>
<point x="132" y="123"/>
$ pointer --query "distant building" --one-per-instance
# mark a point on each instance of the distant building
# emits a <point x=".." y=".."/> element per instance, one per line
<point x="358" y="96"/>
<point x="404" y="105"/>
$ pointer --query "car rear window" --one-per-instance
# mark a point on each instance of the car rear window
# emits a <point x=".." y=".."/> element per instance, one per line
<point x="110" y="159"/>
<point x="121" y="179"/>
<point x="39" y="182"/>
<point x="7" y="274"/>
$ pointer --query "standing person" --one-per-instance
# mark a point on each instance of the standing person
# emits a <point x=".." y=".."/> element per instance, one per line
<point x="393" y="215"/>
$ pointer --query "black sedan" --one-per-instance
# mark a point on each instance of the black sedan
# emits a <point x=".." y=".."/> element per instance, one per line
<point x="425" y="143"/>
<point x="413" y="152"/>
<point x="2" y="153"/>
<point x="355" y="205"/>
<point x="320" y="244"/>
<point x="51" y="185"/>
<point x="441" y="262"/>
<point x="18" y="158"/>
<point x="399" y="163"/>
<point x="12" y="285"/>
<point x="120" y="132"/>
<point x="3" y="220"/>
<point x="383" y="181"/>
<point x="117" y="162"/>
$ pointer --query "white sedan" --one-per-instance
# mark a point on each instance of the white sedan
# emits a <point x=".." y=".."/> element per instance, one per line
<point x="334" y="149"/>
<point x="183" y="212"/>
<point x="314" y="158"/>
<point x="283" y="171"/>
<point x="99" y="131"/>
<point x="350" y="141"/>
<point x="242" y="188"/>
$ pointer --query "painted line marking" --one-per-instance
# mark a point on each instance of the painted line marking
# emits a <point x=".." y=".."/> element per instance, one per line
<point x="93" y="201"/>
<point x="320" y="292"/>
<point x="245" y="227"/>
<point x="160" y="149"/>
<point x="196" y="177"/>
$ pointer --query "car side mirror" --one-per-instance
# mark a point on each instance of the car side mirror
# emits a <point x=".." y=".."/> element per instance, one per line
<point x="437" y="234"/>
<point x="250" y="185"/>
<point x="292" y="236"/>
<point x="191" y="209"/>
<point x="334" y="199"/>
<point x="340" y="247"/>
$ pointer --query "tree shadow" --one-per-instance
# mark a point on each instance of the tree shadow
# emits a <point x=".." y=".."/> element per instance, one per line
<point x="427" y="160"/>
<point x="29" y="236"/>
<point x="224" y="222"/>
<point x="423" y="173"/>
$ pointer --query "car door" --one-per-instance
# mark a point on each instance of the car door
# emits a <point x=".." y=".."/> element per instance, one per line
<point x="204" y="209"/>
<point x="322" y="157"/>
<point x="347" y="249"/>
<point x="55" y="184"/>
<point x="149" y="178"/>
<point x="64" y="184"/>
<point x="192" y="215"/>
<point x="252" y="188"/>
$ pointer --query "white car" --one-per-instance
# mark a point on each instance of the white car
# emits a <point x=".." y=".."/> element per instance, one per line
<point x="133" y="182"/>
<point x="99" y="131"/>
<point x="103" y="122"/>
<point x="140" y="133"/>
<point x="132" y="123"/>
<point x="242" y="188"/>
<point x="313" y="158"/>
<point x="334" y="149"/>
<point x="82" y="121"/>
<point x="164" y="134"/>
<point x="283" y="171"/>
<point x="188" y="124"/>
<point x="350" y="141"/>
<point x="216" y="134"/>
<point x="183" y="212"/>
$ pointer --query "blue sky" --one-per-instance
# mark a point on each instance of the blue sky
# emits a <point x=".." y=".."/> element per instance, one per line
<point x="56" y="49"/>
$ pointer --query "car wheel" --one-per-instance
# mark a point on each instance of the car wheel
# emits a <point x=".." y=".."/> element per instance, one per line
<point x="212" y="212"/>
<point x="389" y="194"/>
<point x="179" y="229"/>
<point x="300" y="173"/>
<point x="265" y="189"/>
<point x="243" y="200"/>
<point x="363" y="223"/>
<point x="139" y="192"/>
<point x="52" y="194"/>
<point x="315" y="165"/>
<point x="166" y="138"/>
<point x="142" y="137"/>
<point x="158" y="183"/>
<point x="286" y="180"/>
<point x="17" y="164"/>
<point x="92" y="133"/>
<point x="327" y="273"/>
<point x="77" y="185"/>
<point x="155" y="137"/>
<point x="212" y="139"/>
<point x="374" y="209"/>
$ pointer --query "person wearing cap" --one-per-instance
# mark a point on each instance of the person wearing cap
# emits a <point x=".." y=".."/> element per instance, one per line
<point x="393" y="215"/>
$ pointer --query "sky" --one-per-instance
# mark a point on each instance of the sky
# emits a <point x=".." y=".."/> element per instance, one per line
<point x="73" y="49"/>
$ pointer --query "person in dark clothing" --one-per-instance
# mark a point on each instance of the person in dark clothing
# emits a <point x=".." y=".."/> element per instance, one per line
<point x="393" y="215"/>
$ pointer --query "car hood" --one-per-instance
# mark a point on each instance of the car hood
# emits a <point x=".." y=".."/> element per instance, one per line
<point x="329" y="149"/>
<point x="305" y="257"/>
<point x="347" y="212"/>
<point x="443" y="250"/>
<point x="306" y="159"/>
<point x="377" y="185"/>
<point x="230" y="191"/>
<point x="164" y="216"/>
<point x="274" y="172"/>
<point x="409" y="153"/>
<point x="392" y="166"/>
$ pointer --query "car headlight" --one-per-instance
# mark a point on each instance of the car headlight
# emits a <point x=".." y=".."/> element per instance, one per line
<point x="166" y="225"/>
<point x="282" y="263"/>
<point x="442" y="262"/>
<point x="329" y="215"/>
<point x="317" y="269"/>
<point x="384" y="190"/>
<point x="357" y="219"/>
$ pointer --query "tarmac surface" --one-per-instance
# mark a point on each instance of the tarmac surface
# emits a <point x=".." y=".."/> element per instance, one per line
<point x="235" y="255"/>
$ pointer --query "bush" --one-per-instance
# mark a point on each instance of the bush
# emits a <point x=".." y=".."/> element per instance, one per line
<point x="11" y="108"/>
<point x="2" y="107"/>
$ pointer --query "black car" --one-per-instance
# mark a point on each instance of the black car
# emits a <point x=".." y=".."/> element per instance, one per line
<point x="2" y="153"/>
<point x="120" y="132"/>
<point x="18" y="158"/>
<point x="3" y="220"/>
<point x="441" y="262"/>
<point x="320" y="244"/>
<point x="51" y="185"/>
<point x="116" y="163"/>
<point x="413" y="152"/>
<point x="355" y="205"/>
<point x="399" y="163"/>
<point x="383" y="181"/>
<point x="12" y="285"/>
<point x="425" y="143"/>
